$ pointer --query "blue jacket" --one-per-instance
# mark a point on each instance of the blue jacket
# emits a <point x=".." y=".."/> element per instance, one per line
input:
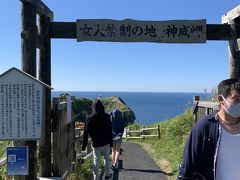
<point x="200" y="154"/>
<point x="118" y="123"/>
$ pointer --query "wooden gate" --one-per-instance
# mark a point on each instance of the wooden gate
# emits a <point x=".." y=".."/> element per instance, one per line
<point x="32" y="39"/>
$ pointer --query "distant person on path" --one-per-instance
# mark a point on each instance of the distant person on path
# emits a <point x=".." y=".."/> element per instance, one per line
<point x="98" y="127"/>
<point x="118" y="124"/>
<point x="212" y="149"/>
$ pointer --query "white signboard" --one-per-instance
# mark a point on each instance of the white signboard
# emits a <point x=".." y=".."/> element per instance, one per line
<point x="173" y="31"/>
<point x="21" y="106"/>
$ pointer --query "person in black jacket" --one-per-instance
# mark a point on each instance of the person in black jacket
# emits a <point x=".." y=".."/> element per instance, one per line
<point x="212" y="148"/>
<point x="99" y="128"/>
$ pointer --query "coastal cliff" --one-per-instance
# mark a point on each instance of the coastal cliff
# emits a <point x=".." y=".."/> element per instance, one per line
<point x="83" y="108"/>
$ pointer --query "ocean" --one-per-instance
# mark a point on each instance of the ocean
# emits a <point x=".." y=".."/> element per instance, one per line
<point x="149" y="107"/>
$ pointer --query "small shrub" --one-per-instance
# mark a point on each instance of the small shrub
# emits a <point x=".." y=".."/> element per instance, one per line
<point x="84" y="171"/>
<point x="3" y="147"/>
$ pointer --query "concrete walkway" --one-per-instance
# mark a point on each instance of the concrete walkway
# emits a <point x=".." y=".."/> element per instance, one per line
<point x="135" y="163"/>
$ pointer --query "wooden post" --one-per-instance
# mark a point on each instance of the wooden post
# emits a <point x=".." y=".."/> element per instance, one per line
<point x="158" y="131"/>
<point x="60" y="136"/>
<point x="129" y="134"/>
<point x="233" y="19"/>
<point x="56" y="138"/>
<point x="63" y="136"/>
<point x="195" y="107"/>
<point x="70" y="148"/>
<point x="233" y="52"/>
<point x="28" y="35"/>
<point x="89" y="146"/>
<point x="63" y="140"/>
<point x="73" y="135"/>
<point x="45" y="76"/>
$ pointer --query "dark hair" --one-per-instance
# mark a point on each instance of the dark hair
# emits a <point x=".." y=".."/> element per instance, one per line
<point x="226" y="86"/>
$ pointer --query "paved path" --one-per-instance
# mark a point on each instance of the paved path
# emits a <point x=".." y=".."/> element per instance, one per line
<point x="135" y="163"/>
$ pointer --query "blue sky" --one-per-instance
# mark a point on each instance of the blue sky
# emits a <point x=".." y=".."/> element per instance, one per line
<point x="105" y="66"/>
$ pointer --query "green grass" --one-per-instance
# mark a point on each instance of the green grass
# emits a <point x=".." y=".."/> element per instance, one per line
<point x="83" y="171"/>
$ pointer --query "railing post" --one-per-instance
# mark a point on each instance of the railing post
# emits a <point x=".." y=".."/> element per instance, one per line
<point x="158" y="131"/>
<point x="195" y="107"/>
<point x="127" y="132"/>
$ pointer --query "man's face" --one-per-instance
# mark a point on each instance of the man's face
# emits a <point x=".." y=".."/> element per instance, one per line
<point x="230" y="105"/>
<point x="234" y="97"/>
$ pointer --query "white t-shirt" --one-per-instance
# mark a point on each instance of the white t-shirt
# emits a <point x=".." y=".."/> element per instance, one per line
<point x="228" y="160"/>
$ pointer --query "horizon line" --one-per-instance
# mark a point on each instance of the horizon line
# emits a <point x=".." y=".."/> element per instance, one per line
<point x="130" y="91"/>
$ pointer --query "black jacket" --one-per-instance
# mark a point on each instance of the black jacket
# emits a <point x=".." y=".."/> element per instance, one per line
<point x="200" y="154"/>
<point x="98" y="127"/>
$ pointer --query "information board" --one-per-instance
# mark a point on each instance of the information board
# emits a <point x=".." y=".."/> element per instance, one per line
<point x="20" y="106"/>
<point x="17" y="161"/>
